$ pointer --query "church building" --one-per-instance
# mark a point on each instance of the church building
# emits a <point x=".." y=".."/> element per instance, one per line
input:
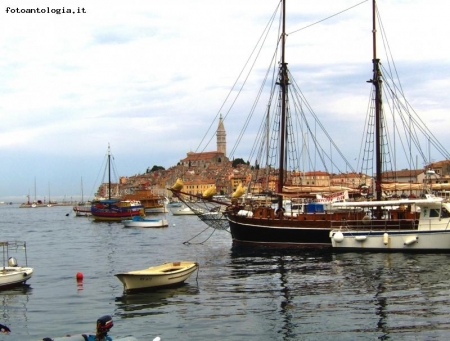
<point x="205" y="159"/>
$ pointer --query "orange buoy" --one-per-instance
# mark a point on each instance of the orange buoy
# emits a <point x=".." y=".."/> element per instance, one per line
<point x="79" y="276"/>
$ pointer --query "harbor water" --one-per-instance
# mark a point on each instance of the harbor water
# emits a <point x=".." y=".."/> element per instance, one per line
<point x="237" y="294"/>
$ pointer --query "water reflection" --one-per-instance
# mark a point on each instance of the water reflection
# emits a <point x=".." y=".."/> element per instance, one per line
<point x="368" y="295"/>
<point x="283" y="277"/>
<point x="14" y="303"/>
<point x="145" y="303"/>
<point x="407" y="291"/>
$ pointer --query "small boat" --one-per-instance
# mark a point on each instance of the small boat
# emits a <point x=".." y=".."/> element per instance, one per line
<point x="183" y="211"/>
<point x="432" y="233"/>
<point x="82" y="210"/>
<point x="175" y="204"/>
<point x="152" y="203"/>
<point x="11" y="274"/>
<point x="164" y="275"/>
<point x="104" y="325"/>
<point x="138" y="221"/>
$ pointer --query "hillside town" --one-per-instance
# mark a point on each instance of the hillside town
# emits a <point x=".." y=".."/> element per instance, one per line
<point x="202" y="170"/>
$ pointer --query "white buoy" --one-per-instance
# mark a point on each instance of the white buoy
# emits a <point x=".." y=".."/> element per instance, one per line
<point x="338" y="237"/>
<point x="385" y="238"/>
<point x="174" y="224"/>
<point x="360" y="238"/>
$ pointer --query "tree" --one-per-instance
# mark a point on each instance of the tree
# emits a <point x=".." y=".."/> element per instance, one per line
<point x="155" y="168"/>
<point x="238" y="161"/>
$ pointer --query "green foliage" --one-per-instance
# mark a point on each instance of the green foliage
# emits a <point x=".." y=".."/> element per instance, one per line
<point x="238" y="161"/>
<point x="155" y="168"/>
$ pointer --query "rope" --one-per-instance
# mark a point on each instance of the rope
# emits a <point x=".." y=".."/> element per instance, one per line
<point x="189" y="241"/>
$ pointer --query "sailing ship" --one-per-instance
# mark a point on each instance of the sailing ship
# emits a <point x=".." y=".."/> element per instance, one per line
<point x="114" y="209"/>
<point x="257" y="223"/>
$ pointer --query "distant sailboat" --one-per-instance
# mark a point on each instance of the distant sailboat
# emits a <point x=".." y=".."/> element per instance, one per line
<point x="83" y="209"/>
<point x="35" y="203"/>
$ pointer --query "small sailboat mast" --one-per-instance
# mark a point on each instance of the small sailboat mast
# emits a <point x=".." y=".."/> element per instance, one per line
<point x="283" y="82"/>
<point x="109" y="172"/>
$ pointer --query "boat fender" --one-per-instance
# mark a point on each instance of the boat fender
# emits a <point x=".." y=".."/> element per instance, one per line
<point x="360" y="238"/>
<point x="385" y="238"/>
<point x="338" y="237"/>
<point x="411" y="240"/>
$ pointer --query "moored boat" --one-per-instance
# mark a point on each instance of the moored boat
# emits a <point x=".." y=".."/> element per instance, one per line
<point x="164" y="275"/>
<point x="282" y="169"/>
<point x="114" y="209"/>
<point x="152" y="203"/>
<point x="11" y="273"/>
<point x="431" y="233"/>
<point x="82" y="210"/>
<point x="182" y="211"/>
<point x="139" y="221"/>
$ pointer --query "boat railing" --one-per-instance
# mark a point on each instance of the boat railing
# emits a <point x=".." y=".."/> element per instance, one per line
<point x="374" y="224"/>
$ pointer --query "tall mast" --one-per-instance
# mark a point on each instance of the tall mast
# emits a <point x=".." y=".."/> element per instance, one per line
<point x="377" y="82"/>
<point x="283" y="81"/>
<point x="109" y="172"/>
<point x="82" y="193"/>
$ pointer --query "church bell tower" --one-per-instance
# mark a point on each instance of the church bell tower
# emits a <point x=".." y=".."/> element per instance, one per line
<point x="221" y="137"/>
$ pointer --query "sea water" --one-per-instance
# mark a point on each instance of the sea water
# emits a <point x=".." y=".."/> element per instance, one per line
<point x="237" y="294"/>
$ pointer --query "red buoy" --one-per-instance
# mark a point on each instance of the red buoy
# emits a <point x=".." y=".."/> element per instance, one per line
<point x="79" y="276"/>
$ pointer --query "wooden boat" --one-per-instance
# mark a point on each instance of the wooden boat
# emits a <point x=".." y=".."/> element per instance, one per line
<point x="164" y="275"/>
<point x="259" y="224"/>
<point x="152" y="203"/>
<point x="138" y="221"/>
<point x="432" y="233"/>
<point x="82" y="210"/>
<point x="11" y="274"/>
<point x="113" y="209"/>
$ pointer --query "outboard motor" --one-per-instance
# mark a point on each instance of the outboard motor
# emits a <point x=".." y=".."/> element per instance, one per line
<point x="12" y="262"/>
<point x="104" y="324"/>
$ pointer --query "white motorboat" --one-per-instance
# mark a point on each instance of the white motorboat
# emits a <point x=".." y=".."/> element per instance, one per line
<point x="138" y="221"/>
<point x="11" y="274"/>
<point x="431" y="233"/>
<point x="185" y="211"/>
<point x="164" y="275"/>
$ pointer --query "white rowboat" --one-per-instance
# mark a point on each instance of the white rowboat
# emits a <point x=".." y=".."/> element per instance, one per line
<point x="164" y="275"/>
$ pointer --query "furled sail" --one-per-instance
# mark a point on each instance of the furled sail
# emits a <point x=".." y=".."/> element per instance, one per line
<point x="178" y="185"/>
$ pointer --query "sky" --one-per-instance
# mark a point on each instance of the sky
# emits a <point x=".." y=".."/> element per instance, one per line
<point x="149" y="78"/>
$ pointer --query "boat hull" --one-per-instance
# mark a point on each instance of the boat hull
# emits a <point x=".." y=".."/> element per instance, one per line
<point x="13" y="276"/>
<point x="82" y="211"/>
<point x="164" y="275"/>
<point x="279" y="233"/>
<point x="146" y="223"/>
<point x="115" y="210"/>
<point x="391" y="241"/>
